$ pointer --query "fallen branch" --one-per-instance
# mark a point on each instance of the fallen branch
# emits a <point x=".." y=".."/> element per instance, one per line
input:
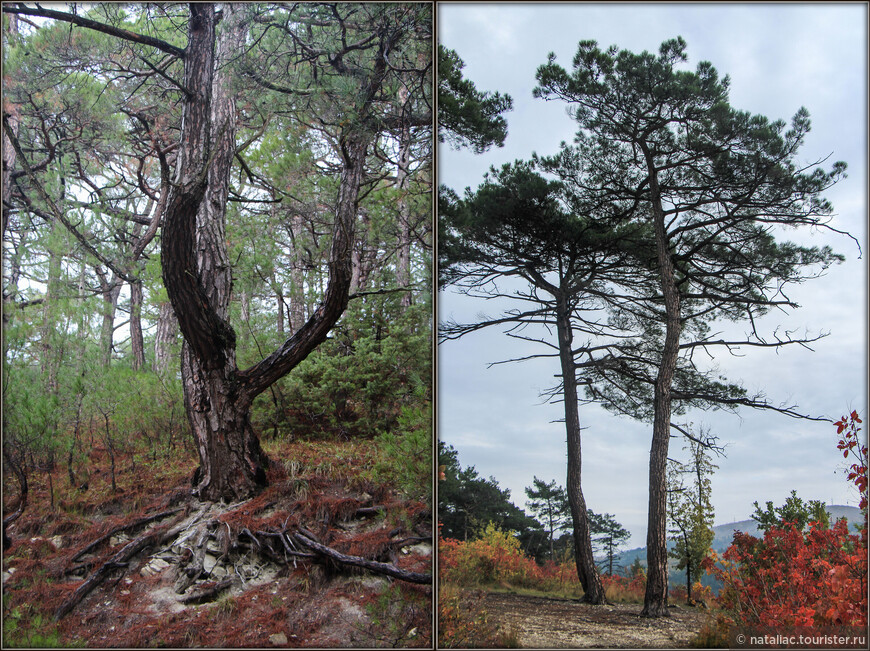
<point x="374" y="566"/>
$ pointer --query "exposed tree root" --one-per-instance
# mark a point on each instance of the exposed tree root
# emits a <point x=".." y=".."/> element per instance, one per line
<point x="117" y="561"/>
<point x="374" y="566"/>
<point x="207" y="593"/>
<point x="204" y="547"/>
<point x="124" y="527"/>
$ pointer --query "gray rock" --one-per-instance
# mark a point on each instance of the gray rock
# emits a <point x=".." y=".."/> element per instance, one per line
<point x="154" y="566"/>
<point x="278" y="639"/>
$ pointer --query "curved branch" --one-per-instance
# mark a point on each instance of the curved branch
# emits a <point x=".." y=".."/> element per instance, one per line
<point x="81" y="21"/>
<point x="55" y="211"/>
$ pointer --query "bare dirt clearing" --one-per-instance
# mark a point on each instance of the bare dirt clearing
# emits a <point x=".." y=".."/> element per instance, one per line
<point x="549" y="623"/>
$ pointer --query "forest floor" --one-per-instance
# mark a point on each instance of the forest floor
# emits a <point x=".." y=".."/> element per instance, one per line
<point x="252" y="591"/>
<point x="552" y="623"/>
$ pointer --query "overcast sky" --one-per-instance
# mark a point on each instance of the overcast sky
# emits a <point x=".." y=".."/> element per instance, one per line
<point x="779" y="57"/>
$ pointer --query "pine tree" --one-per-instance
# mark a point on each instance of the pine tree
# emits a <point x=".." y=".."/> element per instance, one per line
<point x="708" y="182"/>
<point x="690" y="511"/>
<point x="549" y="503"/>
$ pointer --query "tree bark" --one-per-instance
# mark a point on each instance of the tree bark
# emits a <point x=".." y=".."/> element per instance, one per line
<point x="656" y="596"/>
<point x="587" y="573"/>
<point x="296" y="316"/>
<point x="403" y="265"/>
<point x="137" y="340"/>
<point x="167" y="331"/>
<point x="199" y="279"/>
<point x="9" y="35"/>
<point x="111" y="291"/>
<point x="196" y="270"/>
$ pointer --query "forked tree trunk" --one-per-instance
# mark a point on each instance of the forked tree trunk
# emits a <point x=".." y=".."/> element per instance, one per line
<point x="196" y="270"/>
<point x="656" y="597"/>
<point x="593" y="589"/>
<point x="232" y="464"/>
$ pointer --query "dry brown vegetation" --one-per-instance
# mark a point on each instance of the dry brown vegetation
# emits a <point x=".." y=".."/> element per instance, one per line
<point x="255" y="584"/>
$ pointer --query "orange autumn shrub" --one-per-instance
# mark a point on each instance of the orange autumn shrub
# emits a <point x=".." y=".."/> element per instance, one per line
<point x="495" y="557"/>
<point x="793" y="577"/>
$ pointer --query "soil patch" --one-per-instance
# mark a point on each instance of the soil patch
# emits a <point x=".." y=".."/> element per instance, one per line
<point x="547" y="623"/>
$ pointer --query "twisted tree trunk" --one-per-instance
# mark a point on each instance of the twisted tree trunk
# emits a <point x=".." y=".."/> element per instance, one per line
<point x="197" y="273"/>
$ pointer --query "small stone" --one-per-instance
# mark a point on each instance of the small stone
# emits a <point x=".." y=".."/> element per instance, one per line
<point x="208" y="563"/>
<point x="423" y="549"/>
<point x="278" y="639"/>
<point x="154" y="566"/>
<point x="57" y="541"/>
<point x="117" y="540"/>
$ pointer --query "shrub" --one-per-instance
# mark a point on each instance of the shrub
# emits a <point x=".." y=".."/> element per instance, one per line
<point x="494" y="558"/>
<point x="405" y="457"/>
<point x="793" y="577"/>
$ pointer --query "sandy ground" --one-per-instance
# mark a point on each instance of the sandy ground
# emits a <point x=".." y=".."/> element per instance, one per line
<point x="563" y="624"/>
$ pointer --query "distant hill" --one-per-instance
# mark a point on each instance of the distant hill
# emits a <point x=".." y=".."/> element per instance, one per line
<point x="723" y="534"/>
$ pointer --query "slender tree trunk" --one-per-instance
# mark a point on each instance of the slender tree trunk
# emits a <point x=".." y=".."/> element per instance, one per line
<point x="167" y="331"/>
<point x="111" y="290"/>
<point x="137" y="340"/>
<point x="551" y="534"/>
<point x="610" y="555"/>
<point x="656" y="596"/>
<point x="297" y="277"/>
<point x="8" y="150"/>
<point x="689" y="582"/>
<point x="279" y="305"/>
<point x="590" y="580"/>
<point x="403" y="266"/>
